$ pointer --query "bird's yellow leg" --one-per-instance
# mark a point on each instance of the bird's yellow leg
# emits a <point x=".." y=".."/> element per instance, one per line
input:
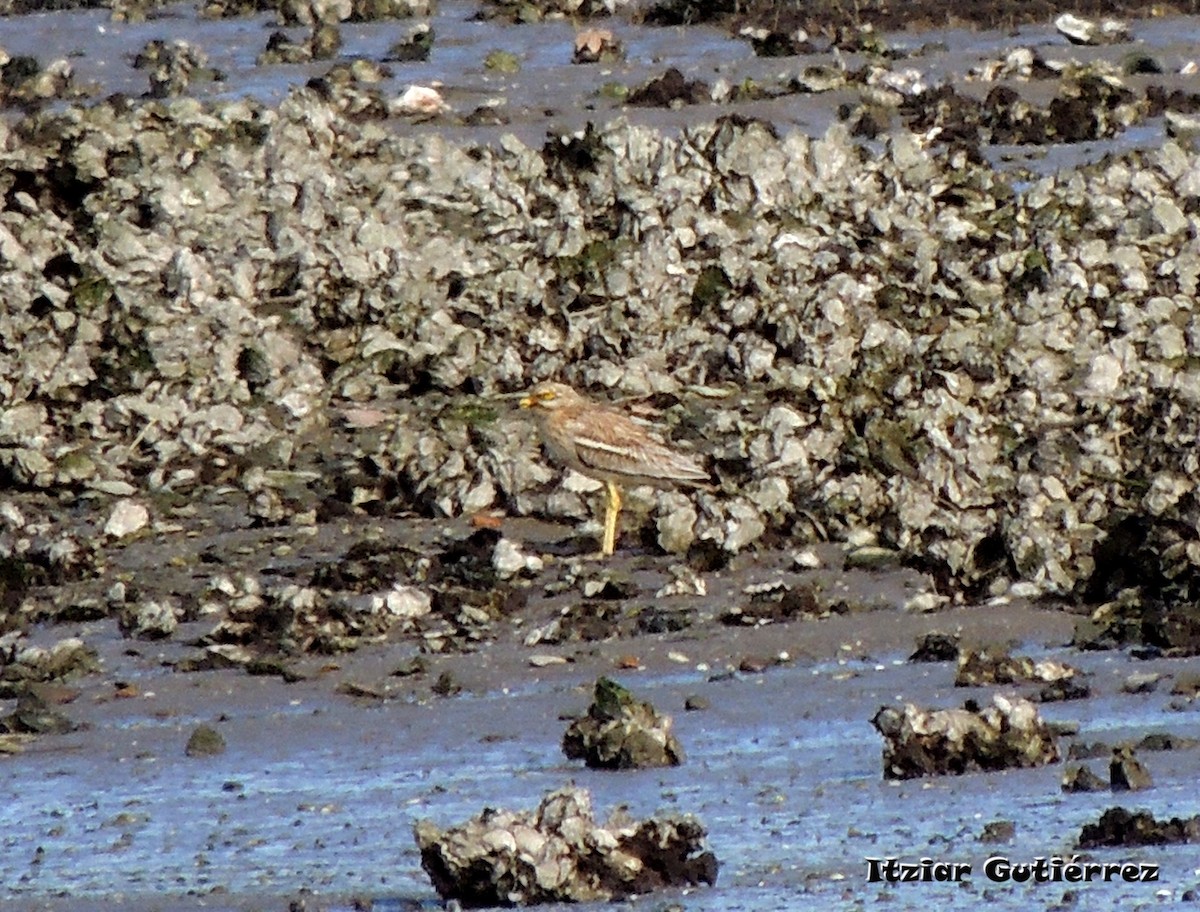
<point x="612" y="511"/>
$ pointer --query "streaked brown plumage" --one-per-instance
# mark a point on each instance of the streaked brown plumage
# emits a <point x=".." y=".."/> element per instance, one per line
<point x="604" y="443"/>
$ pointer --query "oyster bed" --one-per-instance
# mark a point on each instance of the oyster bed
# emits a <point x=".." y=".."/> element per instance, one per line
<point x="990" y="378"/>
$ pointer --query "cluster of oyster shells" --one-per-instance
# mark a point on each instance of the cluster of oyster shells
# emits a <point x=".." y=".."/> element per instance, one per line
<point x="1079" y="30"/>
<point x="536" y="10"/>
<point x="24" y="662"/>
<point x="315" y="12"/>
<point x="561" y="853"/>
<point x="981" y="667"/>
<point x="39" y="550"/>
<point x="621" y="732"/>
<point x="295" y="619"/>
<point x="23" y="80"/>
<point x="1120" y="827"/>
<point x="172" y="65"/>
<point x="921" y="742"/>
<point x="985" y="376"/>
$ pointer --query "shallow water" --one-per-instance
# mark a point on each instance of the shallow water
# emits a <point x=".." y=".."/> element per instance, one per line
<point x="551" y="94"/>
<point x="318" y="791"/>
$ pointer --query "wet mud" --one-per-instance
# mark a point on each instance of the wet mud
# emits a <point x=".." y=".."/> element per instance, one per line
<point x="322" y="778"/>
<point x="1044" y="112"/>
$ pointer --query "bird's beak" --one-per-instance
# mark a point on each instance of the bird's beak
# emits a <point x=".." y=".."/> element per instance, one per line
<point x="527" y="402"/>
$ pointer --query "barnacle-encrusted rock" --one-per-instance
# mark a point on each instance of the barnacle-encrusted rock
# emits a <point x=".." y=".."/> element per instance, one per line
<point x="1080" y="778"/>
<point x="925" y="602"/>
<point x="1126" y="773"/>
<point x="21" y="665"/>
<point x="980" y="667"/>
<point x="226" y="9"/>
<point x="775" y="43"/>
<point x="677" y="522"/>
<point x="777" y="600"/>
<point x="353" y="73"/>
<point x="298" y="619"/>
<point x="1007" y="734"/>
<point x="560" y="853"/>
<point x="669" y="89"/>
<point x="819" y="78"/>
<point x="1079" y="30"/>
<point x="331" y="12"/>
<point x="1133" y="619"/>
<point x="687" y="12"/>
<point x="34" y="716"/>
<point x="1141" y="682"/>
<point x="311" y="12"/>
<point x="1120" y="827"/>
<point x="621" y="732"/>
<point x="131" y="10"/>
<point x="1093" y="103"/>
<point x="1019" y="63"/>
<point x="371" y="10"/>
<point x="205" y="741"/>
<point x="34" y="551"/>
<point x="1157" y="741"/>
<point x="1070" y="688"/>
<point x="322" y="43"/>
<point x="23" y="80"/>
<point x="537" y="10"/>
<point x="872" y="557"/>
<point x="1187" y="685"/>
<point x="172" y="65"/>
<point x="149" y="620"/>
<point x="1185" y="127"/>
<point x="936" y="646"/>
<point x="415" y="46"/>
<point x="501" y="61"/>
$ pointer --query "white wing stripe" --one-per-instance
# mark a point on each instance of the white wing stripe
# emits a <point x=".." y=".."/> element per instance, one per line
<point x="589" y="444"/>
<point x="599" y="454"/>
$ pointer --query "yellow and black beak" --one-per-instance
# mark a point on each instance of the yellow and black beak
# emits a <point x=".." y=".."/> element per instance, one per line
<point x="537" y="398"/>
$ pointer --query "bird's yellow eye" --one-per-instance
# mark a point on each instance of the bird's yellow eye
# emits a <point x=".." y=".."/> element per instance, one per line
<point x="547" y="395"/>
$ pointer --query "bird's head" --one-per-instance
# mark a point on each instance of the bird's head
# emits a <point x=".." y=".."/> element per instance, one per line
<point x="549" y="396"/>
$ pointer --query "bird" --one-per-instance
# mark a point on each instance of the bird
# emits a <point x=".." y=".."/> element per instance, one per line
<point x="604" y="443"/>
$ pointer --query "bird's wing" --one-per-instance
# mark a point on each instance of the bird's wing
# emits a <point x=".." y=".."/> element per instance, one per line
<point x="609" y="442"/>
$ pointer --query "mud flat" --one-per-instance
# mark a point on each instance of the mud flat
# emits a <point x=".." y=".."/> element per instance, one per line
<point x="322" y="778"/>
